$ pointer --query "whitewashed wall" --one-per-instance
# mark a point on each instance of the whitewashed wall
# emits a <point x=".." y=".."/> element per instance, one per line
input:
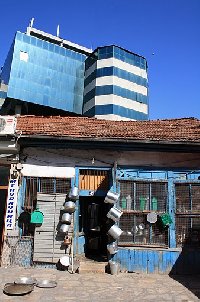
<point x="106" y="158"/>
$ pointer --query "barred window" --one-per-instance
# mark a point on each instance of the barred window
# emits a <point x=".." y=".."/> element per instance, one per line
<point x="137" y="199"/>
<point x="42" y="185"/>
<point x="187" y="214"/>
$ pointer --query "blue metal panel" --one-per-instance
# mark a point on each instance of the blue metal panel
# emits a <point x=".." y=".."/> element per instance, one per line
<point x="158" y="261"/>
<point x="127" y="173"/>
<point x="194" y="176"/>
<point x="145" y="174"/>
<point x="153" y="262"/>
<point x="123" y="173"/>
<point x="171" y="209"/>
<point x="159" y="175"/>
<point x="80" y="245"/>
<point x="92" y="193"/>
<point x="75" y="182"/>
<point x="21" y="196"/>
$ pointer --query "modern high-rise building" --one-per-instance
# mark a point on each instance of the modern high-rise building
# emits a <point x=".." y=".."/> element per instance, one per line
<point x="115" y="85"/>
<point x="45" y="73"/>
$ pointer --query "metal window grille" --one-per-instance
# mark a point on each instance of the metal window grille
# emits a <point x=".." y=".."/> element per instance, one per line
<point x="137" y="199"/>
<point x="187" y="214"/>
<point x="145" y="196"/>
<point x="42" y="185"/>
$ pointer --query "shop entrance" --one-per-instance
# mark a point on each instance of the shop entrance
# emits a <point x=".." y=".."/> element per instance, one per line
<point x="93" y="222"/>
<point x="4" y="174"/>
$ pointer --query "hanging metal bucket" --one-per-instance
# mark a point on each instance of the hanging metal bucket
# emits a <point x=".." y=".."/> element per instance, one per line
<point x="114" y="214"/>
<point x="66" y="218"/>
<point x="112" y="248"/>
<point x="69" y="207"/>
<point x="115" y="231"/>
<point x="73" y="194"/>
<point x="111" y="197"/>
<point x="64" y="228"/>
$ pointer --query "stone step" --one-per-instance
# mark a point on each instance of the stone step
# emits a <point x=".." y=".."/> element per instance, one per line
<point x="92" y="267"/>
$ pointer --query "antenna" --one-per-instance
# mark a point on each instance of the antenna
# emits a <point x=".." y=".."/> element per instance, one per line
<point x="31" y="22"/>
<point x="58" y="31"/>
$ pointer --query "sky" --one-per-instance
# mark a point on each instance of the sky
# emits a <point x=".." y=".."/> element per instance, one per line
<point x="165" y="32"/>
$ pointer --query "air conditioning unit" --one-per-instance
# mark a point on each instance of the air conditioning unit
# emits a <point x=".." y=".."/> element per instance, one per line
<point x="7" y="125"/>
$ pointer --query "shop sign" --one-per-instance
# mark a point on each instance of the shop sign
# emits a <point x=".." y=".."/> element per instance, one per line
<point x="11" y="204"/>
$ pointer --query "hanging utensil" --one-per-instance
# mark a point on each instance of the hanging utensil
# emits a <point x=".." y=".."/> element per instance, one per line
<point x="115" y="231"/>
<point x="69" y="207"/>
<point x="66" y="218"/>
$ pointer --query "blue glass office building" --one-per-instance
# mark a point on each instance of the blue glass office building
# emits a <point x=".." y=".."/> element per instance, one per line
<point x="45" y="70"/>
<point x="42" y="69"/>
<point x="116" y="85"/>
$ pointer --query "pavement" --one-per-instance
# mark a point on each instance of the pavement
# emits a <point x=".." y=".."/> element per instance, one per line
<point x="94" y="287"/>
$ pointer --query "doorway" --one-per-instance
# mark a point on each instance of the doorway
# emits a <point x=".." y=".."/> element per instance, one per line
<point x="4" y="175"/>
<point x="93" y="224"/>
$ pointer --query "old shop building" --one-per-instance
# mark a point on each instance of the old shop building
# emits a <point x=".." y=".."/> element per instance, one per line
<point x="153" y="165"/>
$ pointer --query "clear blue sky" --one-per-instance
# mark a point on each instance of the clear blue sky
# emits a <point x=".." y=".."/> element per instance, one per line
<point x="168" y="28"/>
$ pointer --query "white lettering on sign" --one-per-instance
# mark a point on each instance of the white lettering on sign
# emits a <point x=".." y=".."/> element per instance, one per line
<point x="11" y="204"/>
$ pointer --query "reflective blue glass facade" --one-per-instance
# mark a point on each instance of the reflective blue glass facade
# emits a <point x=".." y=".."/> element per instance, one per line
<point x="44" y="73"/>
<point x="41" y="69"/>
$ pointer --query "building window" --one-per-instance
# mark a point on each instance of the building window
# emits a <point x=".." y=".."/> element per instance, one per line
<point x="93" y="180"/>
<point x="36" y="185"/>
<point x="23" y="56"/>
<point x="187" y="214"/>
<point x="43" y="185"/>
<point x="137" y="199"/>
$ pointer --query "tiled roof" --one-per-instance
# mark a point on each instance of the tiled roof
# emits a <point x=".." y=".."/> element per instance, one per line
<point x="171" y="130"/>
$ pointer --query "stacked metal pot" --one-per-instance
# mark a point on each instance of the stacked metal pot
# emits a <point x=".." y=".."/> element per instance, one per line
<point x="68" y="209"/>
<point x="114" y="214"/>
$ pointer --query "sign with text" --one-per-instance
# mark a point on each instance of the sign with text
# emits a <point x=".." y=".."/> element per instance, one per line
<point x="11" y="204"/>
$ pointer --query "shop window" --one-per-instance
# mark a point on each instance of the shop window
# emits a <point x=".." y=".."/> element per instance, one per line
<point x="137" y="199"/>
<point x="187" y="214"/>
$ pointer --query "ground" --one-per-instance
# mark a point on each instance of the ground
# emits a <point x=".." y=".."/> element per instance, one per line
<point x="103" y="287"/>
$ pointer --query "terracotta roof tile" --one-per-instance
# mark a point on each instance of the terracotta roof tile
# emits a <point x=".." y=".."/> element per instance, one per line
<point x="183" y="129"/>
